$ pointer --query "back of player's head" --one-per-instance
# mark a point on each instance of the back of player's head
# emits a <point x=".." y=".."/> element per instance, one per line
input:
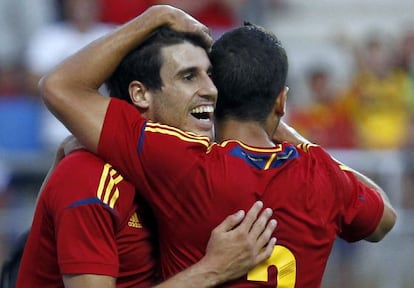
<point x="145" y="61"/>
<point x="249" y="70"/>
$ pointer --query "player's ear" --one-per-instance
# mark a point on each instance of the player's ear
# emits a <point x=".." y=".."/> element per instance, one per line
<point x="277" y="112"/>
<point x="280" y="104"/>
<point x="139" y="94"/>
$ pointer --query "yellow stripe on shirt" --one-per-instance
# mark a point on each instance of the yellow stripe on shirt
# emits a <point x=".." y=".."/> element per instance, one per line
<point x="107" y="190"/>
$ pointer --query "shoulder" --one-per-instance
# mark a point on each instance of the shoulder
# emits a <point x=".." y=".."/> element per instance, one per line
<point x="84" y="173"/>
<point x="82" y="179"/>
<point x="76" y="176"/>
<point x="308" y="147"/>
<point x="317" y="153"/>
<point x="81" y="163"/>
<point x="120" y="112"/>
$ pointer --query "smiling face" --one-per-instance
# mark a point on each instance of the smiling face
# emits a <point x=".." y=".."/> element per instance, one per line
<point x="188" y="96"/>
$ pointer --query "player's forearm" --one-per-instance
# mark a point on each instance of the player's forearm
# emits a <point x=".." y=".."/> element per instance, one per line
<point x="198" y="275"/>
<point x="91" y="66"/>
<point x="71" y="90"/>
<point x="88" y="280"/>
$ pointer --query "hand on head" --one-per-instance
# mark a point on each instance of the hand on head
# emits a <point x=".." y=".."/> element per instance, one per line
<point x="179" y="20"/>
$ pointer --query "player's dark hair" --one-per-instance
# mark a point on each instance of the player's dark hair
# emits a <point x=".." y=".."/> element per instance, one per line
<point x="249" y="70"/>
<point x="144" y="62"/>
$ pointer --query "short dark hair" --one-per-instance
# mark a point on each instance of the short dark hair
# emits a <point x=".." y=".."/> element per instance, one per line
<point x="144" y="62"/>
<point x="249" y="70"/>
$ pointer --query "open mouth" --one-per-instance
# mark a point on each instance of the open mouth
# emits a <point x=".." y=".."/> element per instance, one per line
<point x="203" y="112"/>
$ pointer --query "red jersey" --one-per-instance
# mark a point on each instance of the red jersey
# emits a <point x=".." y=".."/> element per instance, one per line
<point x="87" y="222"/>
<point x="192" y="185"/>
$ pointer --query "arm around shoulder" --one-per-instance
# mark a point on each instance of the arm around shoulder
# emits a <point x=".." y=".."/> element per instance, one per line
<point x="70" y="91"/>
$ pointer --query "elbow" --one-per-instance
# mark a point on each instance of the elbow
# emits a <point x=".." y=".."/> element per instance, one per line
<point x="45" y="86"/>
<point x="387" y="222"/>
<point x="49" y="87"/>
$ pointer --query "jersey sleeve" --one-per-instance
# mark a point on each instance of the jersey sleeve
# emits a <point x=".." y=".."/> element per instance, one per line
<point x="364" y="211"/>
<point x="85" y="223"/>
<point x="85" y="244"/>
<point x="356" y="207"/>
<point x="361" y="206"/>
<point x="120" y="139"/>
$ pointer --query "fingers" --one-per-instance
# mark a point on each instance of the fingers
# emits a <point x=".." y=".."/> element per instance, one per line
<point x="267" y="251"/>
<point x="260" y="226"/>
<point x="231" y="221"/>
<point x="190" y="24"/>
<point x="265" y="237"/>
<point x="253" y="228"/>
<point x="251" y="215"/>
<point x="206" y="33"/>
<point x="241" y="241"/>
<point x="261" y="231"/>
<point x="179" y="20"/>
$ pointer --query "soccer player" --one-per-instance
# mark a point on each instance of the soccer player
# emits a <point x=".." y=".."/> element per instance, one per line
<point x="191" y="182"/>
<point x="89" y="230"/>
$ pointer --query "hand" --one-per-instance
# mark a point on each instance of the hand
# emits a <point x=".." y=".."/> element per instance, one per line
<point x="178" y="20"/>
<point x="68" y="145"/>
<point x="239" y="243"/>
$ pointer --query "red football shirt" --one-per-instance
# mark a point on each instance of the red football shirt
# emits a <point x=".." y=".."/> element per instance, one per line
<point x="86" y="222"/>
<point x="192" y="185"/>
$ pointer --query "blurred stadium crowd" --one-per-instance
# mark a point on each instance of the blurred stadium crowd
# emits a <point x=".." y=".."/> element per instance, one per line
<point x="351" y="85"/>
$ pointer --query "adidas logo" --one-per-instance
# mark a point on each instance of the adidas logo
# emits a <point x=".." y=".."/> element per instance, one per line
<point x="134" y="221"/>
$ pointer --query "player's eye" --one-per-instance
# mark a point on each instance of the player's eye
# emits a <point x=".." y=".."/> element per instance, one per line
<point x="189" y="76"/>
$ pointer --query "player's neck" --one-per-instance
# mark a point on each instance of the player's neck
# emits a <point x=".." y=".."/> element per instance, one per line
<point x="250" y="133"/>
